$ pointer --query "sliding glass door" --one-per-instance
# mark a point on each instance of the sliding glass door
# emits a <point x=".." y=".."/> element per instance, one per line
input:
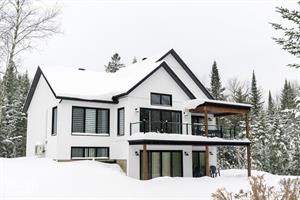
<point x="162" y="163"/>
<point x="163" y="121"/>
<point x="198" y="163"/>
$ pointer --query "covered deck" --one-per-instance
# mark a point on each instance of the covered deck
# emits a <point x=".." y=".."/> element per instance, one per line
<point x="205" y="107"/>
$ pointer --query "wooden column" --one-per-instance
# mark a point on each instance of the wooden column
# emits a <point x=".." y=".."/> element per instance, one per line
<point x="206" y="146"/>
<point x="145" y="162"/>
<point x="248" y="146"/>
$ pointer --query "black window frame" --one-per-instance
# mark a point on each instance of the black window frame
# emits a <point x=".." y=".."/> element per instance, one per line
<point x="141" y="128"/>
<point x="160" y="152"/>
<point x="118" y="124"/>
<point x="160" y="99"/>
<point x="53" y="132"/>
<point x="88" y="147"/>
<point x="84" y="133"/>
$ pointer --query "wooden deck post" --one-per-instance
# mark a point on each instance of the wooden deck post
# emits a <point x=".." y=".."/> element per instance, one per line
<point x="248" y="146"/>
<point x="145" y="162"/>
<point x="206" y="146"/>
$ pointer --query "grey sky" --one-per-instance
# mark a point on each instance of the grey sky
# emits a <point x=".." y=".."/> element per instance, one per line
<point x="234" y="33"/>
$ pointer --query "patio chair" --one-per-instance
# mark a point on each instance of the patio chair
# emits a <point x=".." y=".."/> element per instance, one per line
<point x="213" y="171"/>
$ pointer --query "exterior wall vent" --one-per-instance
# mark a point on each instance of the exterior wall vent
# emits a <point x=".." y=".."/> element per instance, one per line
<point x="81" y="69"/>
<point x="144" y="59"/>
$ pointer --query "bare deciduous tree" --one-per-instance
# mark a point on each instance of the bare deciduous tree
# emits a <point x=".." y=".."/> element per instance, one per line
<point x="22" y="24"/>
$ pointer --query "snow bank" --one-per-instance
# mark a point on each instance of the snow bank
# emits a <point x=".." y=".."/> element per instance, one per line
<point x="33" y="178"/>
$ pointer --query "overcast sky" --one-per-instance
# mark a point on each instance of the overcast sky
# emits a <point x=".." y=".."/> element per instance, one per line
<point x="234" y="33"/>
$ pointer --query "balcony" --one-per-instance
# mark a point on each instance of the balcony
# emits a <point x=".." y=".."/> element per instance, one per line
<point x="166" y="127"/>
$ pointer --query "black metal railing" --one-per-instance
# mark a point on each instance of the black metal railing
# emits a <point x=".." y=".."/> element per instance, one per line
<point x="235" y="132"/>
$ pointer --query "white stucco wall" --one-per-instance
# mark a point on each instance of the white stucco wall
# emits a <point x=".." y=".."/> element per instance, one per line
<point x="39" y="120"/>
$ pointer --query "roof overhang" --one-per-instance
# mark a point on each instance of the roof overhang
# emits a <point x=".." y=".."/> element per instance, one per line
<point x="217" y="108"/>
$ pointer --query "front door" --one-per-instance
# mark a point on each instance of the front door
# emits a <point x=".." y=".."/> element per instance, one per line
<point x="198" y="163"/>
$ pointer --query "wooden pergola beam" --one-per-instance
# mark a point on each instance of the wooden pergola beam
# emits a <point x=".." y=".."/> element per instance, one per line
<point x="220" y="110"/>
<point x="145" y="162"/>
<point x="246" y="117"/>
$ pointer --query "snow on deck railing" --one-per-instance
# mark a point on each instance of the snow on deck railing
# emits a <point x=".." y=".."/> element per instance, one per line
<point x="197" y="129"/>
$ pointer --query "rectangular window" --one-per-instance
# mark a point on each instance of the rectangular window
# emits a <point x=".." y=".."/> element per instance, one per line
<point x="163" y="121"/>
<point x="163" y="163"/>
<point x="121" y="121"/>
<point x="89" y="152"/>
<point x="90" y="120"/>
<point x="161" y="99"/>
<point x="54" y="121"/>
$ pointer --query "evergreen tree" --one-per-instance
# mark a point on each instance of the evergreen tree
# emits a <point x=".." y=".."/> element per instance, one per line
<point x="255" y="96"/>
<point x="115" y="64"/>
<point x="8" y="112"/>
<point x="134" y="60"/>
<point x="271" y="105"/>
<point x="216" y="88"/>
<point x="288" y="96"/>
<point x="290" y="35"/>
<point x="21" y="118"/>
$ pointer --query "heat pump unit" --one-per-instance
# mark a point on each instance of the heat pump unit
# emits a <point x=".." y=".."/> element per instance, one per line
<point x="39" y="150"/>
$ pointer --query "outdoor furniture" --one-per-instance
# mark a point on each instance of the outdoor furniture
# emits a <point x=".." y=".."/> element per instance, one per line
<point x="213" y="171"/>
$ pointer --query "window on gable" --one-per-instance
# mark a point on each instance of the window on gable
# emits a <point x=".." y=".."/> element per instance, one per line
<point x="54" y="121"/>
<point x="161" y="99"/>
<point x="90" y="120"/>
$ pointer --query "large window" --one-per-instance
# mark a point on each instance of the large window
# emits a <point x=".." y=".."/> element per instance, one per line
<point x="121" y="121"/>
<point x="163" y="121"/>
<point x="54" y="121"/>
<point x="89" y="152"/>
<point x="162" y="163"/>
<point x="161" y="99"/>
<point x="90" y="120"/>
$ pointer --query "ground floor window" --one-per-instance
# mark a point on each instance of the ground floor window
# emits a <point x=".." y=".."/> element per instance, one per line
<point x="89" y="152"/>
<point x="198" y="163"/>
<point x="163" y="163"/>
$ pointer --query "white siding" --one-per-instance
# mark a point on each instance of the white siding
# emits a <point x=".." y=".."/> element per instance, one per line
<point x="40" y="118"/>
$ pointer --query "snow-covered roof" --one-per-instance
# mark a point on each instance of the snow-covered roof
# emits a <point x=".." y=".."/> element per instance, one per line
<point x="96" y="85"/>
<point x="191" y="104"/>
<point x="183" y="137"/>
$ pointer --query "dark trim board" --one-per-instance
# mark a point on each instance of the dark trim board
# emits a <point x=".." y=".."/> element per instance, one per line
<point x="199" y="143"/>
<point x="87" y="100"/>
<point x="188" y="71"/>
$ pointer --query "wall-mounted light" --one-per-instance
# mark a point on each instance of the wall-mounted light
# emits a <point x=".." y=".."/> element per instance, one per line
<point x="186" y="153"/>
<point x="210" y="153"/>
<point x="136" y="153"/>
<point x="137" y="110"/>
<point x="185" y="113"/>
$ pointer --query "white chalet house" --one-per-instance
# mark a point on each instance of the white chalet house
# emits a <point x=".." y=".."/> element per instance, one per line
<point x="154" y="118"/>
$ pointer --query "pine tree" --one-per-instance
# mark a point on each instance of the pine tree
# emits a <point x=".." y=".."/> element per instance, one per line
<point x="290" y="35"/>
<point x="8" y="112"/>
<point x="134" y="60"/>
<point x="255" y="96"/>
<point x="115" y="64"/>
<point x="216" y="88"/>
<point x="21" y="118"/>
<point x="271" y="105"/>
<point x="288" y="96"/>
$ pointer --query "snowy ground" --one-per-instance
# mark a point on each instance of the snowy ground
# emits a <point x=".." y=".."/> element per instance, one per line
<point x="40" y="178"/>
